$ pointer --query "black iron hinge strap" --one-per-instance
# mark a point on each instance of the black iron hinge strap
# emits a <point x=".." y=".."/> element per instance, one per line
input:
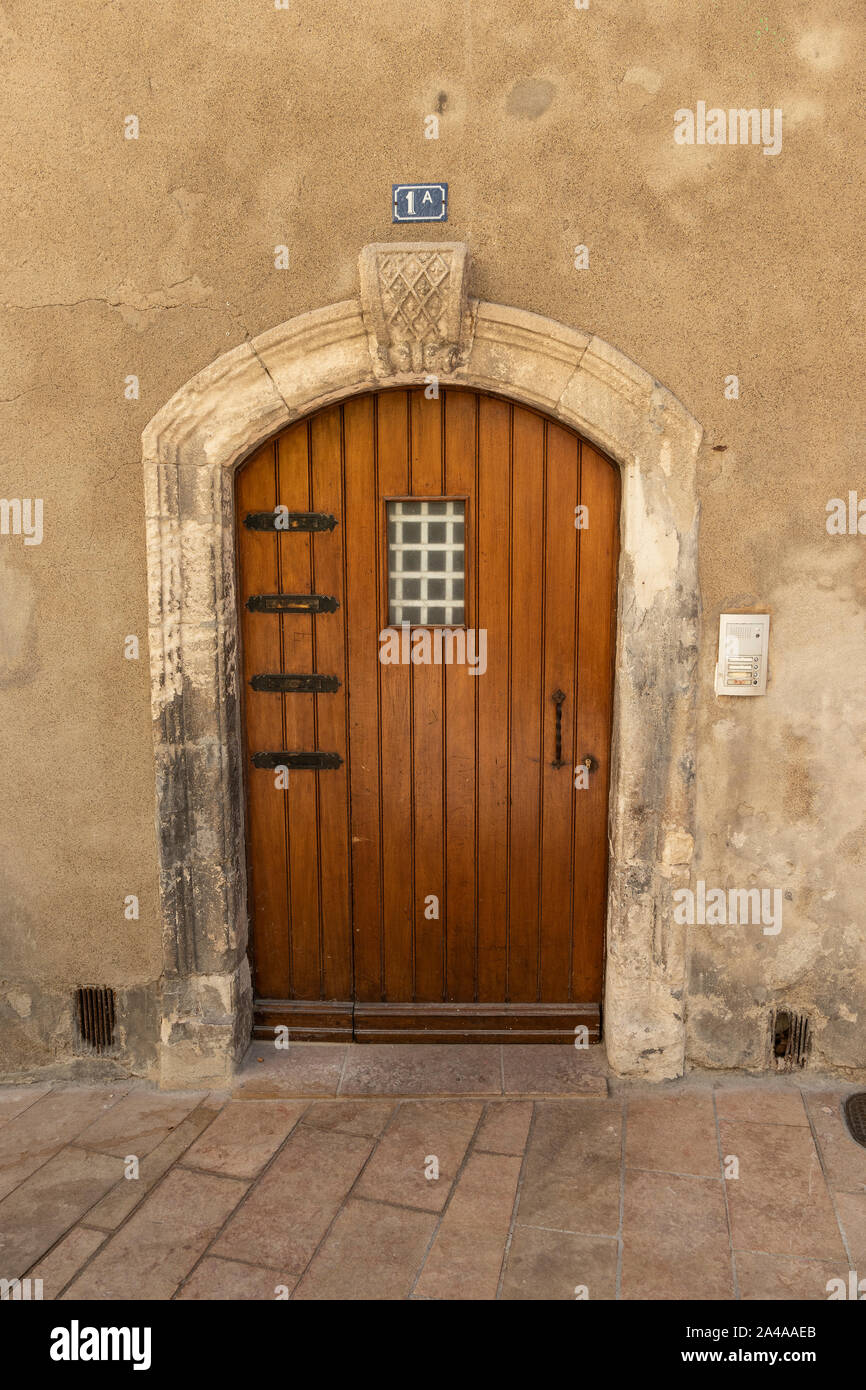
<point x="312" y="761"/>
<point x="289" y="521"/>
<point x="295" y="684"/>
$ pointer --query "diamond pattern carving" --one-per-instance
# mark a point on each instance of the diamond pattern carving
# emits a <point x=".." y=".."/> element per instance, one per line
<point x="413" y="301"/>
<point x="411" y="294"/>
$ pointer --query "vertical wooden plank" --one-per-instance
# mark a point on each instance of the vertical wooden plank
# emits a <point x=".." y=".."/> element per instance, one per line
<point x="300" y="716"/>
<point x="527" y="697"/>
<point x="428" y="747"/>
<point x="267" y="809"/>
<point x="363" y="540"/>
<point x="599" y="554"/>
<point x="395" y="739"/>
<point x="493" y="491"/>
<point x="460" y="408"/>
<point x="560" y="579"/>
<point x="326" y="446"/>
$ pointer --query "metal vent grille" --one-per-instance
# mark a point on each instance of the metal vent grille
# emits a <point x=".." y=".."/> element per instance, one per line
<point x="855" y="1117"/>
<point x="790" y="1040"/>
<point x="94" y="1011"/>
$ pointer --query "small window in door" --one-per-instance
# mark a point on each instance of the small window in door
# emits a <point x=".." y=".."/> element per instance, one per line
<point x="426" y="562"/>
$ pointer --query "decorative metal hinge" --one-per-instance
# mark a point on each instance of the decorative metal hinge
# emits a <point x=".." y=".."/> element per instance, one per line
<point x="298" y="761"/>
<point x="292" y="603"/>
<point x="289" y="521"/>
<point x="313" y="685"/>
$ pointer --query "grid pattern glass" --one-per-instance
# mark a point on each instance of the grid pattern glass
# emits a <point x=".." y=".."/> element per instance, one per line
<point x="426" y="562"/>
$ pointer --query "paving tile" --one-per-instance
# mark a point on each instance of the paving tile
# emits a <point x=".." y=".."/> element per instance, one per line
<point x="675" y="1238"/>
<point x="552" y="1265"/>
<point x="215" y="1279"/>
<point x="774" y="1277"/>
<point x="44" y="1128"/>
<point x="245" y="1136"/>
<point x="117" y="1204"/>
<point x="466" y="1259"/>
<point x="160" y="1243"/>
<point x="292" y="1205"/>
<point x="45" y="1205"/>
<point x="550" y="1069"/>
<point x="505" y="1127"/>
<point x="851" y="1207"/>
<point x="422" y="1069"/>
<point x="373" y="1251"/>
<point x="66" y="1259"/>
<point x="762" y="1105"/>
<point x="420" y="1130"/>
<point x="307" y="1069"/>
<point x="572" y="1174"/>
<point x="139" y="1122"/>
<point x="674" y="1134"/>
<point x="844" y="1159"/>
<point x="779" y="1204"/>
<point x="16" y="1099"/>
<point x="368" y="1117"/>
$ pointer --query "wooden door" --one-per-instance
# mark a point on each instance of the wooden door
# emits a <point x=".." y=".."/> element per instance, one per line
<point x="432" y="866"/>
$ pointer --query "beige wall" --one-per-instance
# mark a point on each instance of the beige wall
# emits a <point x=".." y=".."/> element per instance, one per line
<point x="261" y="127"/>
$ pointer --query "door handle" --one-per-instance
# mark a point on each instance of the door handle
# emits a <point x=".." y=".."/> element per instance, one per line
<point x="558" y="698"/>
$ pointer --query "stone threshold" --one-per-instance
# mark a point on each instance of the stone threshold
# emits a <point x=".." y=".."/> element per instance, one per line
<point x="410" y="1071"/>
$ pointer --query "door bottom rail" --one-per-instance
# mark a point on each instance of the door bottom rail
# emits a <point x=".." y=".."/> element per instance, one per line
<point x="351" y="1021"/>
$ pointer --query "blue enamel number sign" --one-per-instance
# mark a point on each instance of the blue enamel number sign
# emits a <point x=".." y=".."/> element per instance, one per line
<point x="420" y="202"/>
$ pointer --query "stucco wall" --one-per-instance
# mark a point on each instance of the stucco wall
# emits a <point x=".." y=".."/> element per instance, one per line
<point x="261" y="127"/>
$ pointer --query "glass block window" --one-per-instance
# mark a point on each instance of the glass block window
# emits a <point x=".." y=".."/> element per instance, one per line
<point x="426" y="562"/>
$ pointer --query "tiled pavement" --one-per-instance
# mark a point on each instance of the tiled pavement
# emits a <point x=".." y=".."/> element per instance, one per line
<point x="317" y="1179"/>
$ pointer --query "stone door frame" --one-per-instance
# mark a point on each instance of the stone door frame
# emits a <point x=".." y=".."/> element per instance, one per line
<point x="415" y="321"/>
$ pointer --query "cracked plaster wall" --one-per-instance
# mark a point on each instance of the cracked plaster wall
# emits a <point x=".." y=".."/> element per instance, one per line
<point x="152" y="257"/>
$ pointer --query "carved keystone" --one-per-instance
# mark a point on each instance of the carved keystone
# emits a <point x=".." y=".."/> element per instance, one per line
<point x="414" y="305"/>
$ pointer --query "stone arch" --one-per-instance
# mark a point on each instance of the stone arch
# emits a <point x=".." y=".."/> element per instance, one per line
<point x="414" y="320"/>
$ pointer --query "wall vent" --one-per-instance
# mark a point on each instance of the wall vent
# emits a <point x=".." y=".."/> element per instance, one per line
<point x="855" y="1117"/>
<point x="790" y="1040"/>
<point x="94" y="1013"/>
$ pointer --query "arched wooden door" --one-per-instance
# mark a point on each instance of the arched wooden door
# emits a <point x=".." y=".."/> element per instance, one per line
<point x="427" y="838"/>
